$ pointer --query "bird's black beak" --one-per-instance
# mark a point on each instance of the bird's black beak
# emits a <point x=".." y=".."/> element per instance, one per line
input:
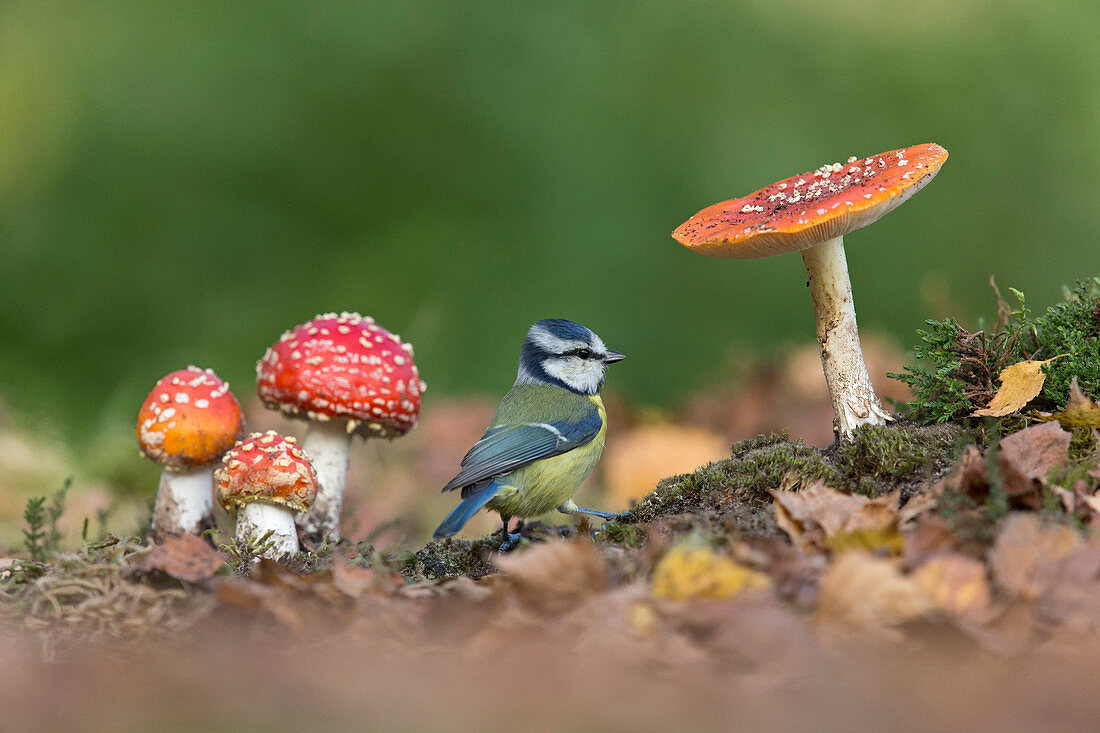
<point x="613" y="356"/>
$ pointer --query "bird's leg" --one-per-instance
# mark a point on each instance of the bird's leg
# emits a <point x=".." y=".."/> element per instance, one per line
<point x="510" y="540"/>
<point x="570" y="507"/>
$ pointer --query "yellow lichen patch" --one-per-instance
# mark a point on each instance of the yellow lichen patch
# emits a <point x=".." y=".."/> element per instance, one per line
<point x="686" y="573"/>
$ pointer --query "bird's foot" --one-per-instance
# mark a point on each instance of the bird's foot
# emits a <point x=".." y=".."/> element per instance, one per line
<point x="510" y="541"/>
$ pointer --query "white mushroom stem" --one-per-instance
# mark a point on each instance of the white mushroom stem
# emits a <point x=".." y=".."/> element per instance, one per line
<point x="854" y="400"/>
<point x="185" y="502"/>
<point x="256" y="518"/>
<point x="327" y="443"/>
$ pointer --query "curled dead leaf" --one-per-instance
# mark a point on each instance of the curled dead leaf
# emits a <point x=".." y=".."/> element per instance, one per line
<point x="554" y="575"/>
<point x="869" y="593"/>
<point x="1023" y="543"/>
<point x="1028" y="455"/>
<point x="1080" y="411"/>
<point x="1020" y="384"/>
<point x="817" y="517"/>
<point x="185" y="557"/>
<point x="957" y="585"/>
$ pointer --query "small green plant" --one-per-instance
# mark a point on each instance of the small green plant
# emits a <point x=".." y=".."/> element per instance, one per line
<point x="41" y="536"/>
<point x="956" y="371"/>
<point x="243" y="554"/>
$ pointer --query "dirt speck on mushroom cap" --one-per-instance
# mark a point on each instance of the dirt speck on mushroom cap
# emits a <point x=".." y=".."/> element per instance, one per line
<point x="347" y="367"/>
<point x="189" y="419"/>
<point x="803" y="210"/>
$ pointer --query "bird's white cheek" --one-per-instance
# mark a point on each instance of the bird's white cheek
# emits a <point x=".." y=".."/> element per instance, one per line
<point x="582" y="376"/>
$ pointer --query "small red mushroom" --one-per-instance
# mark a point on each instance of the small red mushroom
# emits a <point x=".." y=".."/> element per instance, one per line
<point x="811" y="213"/>
<point x="346" y="376"/>
<point x="188" y="420"/>
<point x="264" y="481"/>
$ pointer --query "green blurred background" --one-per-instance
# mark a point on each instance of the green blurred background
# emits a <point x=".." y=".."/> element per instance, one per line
<point x="181" y="183"/>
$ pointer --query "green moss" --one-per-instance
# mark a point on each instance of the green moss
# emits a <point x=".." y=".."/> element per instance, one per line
<point x="628" y="535"/>
<point x="1071" y="327"/>
<point x="451" y="557"/>
<point x="879" y="457"/>
<point x="755" y="467"/>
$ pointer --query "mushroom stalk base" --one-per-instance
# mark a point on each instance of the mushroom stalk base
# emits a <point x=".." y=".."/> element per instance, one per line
<point x="185" y="502"/>
<point x="256" y="518"/>
<point x="854" y="400"/>
<point x="327" y="444"/>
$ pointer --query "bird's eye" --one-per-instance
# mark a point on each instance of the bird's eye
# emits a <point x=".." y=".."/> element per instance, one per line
<point x="584" y="353"/>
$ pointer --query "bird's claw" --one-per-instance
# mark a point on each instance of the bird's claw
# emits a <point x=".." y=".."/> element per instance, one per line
<point x="510" y="542"/>
<point x="623" y="518"/>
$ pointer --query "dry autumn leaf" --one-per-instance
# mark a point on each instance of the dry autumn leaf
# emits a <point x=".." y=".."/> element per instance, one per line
<point x="1028" y="455"/>
<point x="1023" y="544"/>
<point x="555" y="575"/>
<point x="957" y="585"/>
<point x="869" y="593"/>
<point x="819" y="517"/>
<point x="1080" y="411"/>
<point x="1020" y="383"/>
<point x="186" y="557"/>
<point x="685" y="573"/>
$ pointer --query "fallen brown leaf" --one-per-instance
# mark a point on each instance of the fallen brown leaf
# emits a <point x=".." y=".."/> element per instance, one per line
<point x="1020" y="383"/>
<point x="956" y="584"/>
<point x="1023" y="543"/>
<point x="818" y="516"/>
<point x="1030" y="454"/>
<point x="554" y="575"/>
<point x="869" y="593"/>
<point x="1080" y="411"/>
<point x="185" y="557"/>
<point x="930" y="537"/>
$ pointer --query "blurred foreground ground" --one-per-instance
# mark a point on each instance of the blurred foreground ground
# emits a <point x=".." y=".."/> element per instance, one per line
<point x="910" y="584"/>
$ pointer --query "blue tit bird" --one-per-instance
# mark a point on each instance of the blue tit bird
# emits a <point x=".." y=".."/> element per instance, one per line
<point x="546" y="435"/>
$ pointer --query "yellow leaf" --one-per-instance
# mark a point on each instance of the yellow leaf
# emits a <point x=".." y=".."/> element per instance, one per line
<point x="1080" y="411"/>
<point x="700" y="572"/>
<point x="1020" y="383"/>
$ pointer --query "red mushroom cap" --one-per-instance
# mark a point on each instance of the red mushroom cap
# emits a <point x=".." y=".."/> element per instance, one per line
<point x="269" y="468"/>
<point x="189" y="419"/>
<point x="805" y="210"/>
<point x="343" y="367"/>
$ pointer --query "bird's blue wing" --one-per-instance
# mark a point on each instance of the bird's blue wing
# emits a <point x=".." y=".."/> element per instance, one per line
<point x="504" y="448"/>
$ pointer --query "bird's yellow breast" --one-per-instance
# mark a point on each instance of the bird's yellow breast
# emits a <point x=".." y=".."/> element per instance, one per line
<point x="544" y="485"/>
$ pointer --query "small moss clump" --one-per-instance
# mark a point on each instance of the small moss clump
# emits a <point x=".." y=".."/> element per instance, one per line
<point x="880" y="458"/>
<point x="754" y="468"/>
<point x="957" y="370"/>
<point x="450" y="557"/>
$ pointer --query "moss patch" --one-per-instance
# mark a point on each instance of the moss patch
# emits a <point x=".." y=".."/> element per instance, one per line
<point x="885" y="458"/>
<point x="755" y="467"/>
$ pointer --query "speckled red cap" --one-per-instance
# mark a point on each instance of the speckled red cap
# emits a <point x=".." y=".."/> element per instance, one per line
<point x="266" y="467"/>
<point x="806" y="210"/>
<point x="343" y="367"/>
<point x="189" y="419"/>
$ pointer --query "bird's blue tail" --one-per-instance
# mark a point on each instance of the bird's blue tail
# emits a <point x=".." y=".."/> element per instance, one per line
<point x="466" y="508"/>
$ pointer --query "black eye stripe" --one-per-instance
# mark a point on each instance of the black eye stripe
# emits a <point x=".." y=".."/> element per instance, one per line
<point x="582" y="352"/>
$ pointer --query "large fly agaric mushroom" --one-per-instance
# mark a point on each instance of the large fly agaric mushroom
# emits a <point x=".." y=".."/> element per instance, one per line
<point x="265" y="480"/>
<point x="811" y="213"/>
<point x="347" y="376"/>
<point x="188" y="420"/>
